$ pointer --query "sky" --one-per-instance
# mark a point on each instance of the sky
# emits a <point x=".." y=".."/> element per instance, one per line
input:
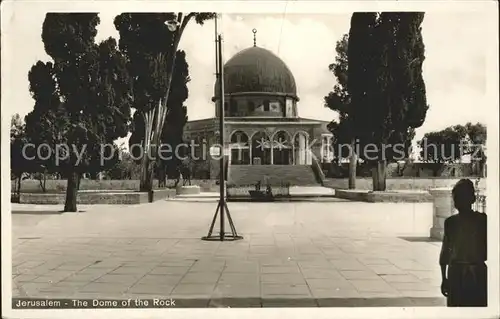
<point x="455" y="68"/>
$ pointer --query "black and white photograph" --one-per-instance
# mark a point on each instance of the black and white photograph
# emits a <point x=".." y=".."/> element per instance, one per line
<point x="316" y="158"/>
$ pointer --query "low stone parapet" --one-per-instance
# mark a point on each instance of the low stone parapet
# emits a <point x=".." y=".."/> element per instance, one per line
<point x="400" y="183"/>
<point x="442" y="208"/>
<point x="98" y="197"/>
<point x="188" y="190"/>
<point x="163" y="193"/>
<point x="413" y="196"/>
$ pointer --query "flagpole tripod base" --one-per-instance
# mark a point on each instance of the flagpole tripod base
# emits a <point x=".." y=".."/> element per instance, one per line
<point x="223" y="210"/>
<point x="227" y="237"/>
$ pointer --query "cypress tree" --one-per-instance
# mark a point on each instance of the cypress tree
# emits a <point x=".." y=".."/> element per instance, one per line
<point x="386" y="53"/>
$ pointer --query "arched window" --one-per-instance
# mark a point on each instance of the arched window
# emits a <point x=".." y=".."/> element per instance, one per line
<point x="261" y="149"/>
<point x="266" y="105"/>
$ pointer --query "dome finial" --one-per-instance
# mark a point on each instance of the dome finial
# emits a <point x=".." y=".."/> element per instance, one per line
<point x="254" y="37"/>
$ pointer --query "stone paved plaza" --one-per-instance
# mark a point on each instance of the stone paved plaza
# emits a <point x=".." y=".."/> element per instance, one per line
<point x="293" y="254"/>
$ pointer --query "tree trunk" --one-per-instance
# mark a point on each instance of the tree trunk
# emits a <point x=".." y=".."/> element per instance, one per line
<point x="146" y="183"/>
<point x="79" y="181"/>
<point x="40" y="178"/>
<point x="352" y="167"/>
<point x="379" y="176"/>
<point x="152" y="172"/>
<point x="71" y="192"/>
<point x="401" y="171"/>
<point x="162" y="112"/>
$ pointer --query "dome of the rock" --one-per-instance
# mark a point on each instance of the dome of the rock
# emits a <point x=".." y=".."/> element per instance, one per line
<point x="257" y="70"/>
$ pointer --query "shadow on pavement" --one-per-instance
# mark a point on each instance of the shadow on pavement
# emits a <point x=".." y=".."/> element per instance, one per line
<point x="420" y="239"/>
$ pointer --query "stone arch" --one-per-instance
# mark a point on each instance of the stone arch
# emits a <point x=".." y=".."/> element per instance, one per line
<point x="282" y="148"/>
<point x="287" y="134"/>
<point x="300" y="148"/>
<point x="260" y="151"/>
<point x="240" y="148"/>
<point x="300" y="132"/>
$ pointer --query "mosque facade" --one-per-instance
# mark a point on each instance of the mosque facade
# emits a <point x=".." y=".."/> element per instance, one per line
<point x="262" y="122"/>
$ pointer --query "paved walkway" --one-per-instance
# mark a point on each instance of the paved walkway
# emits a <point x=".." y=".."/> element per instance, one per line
<point x="300" y="193"/>
<point x="292" y="254"/>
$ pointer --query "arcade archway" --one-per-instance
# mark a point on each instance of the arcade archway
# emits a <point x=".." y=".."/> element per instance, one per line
<point x="300" y="148"/>
<point x="240" y="148"/>
<point x="261" y="149"/>
<point x="282" y="148"/>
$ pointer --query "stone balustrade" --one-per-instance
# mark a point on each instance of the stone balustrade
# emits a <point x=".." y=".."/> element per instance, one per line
<point x="91" y="197"/>
<point x="188" y="190"/>
<point x="442" y="209"/>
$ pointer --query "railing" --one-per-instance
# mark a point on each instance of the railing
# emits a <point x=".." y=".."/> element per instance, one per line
<point x="318" y="171"/>
<point x="480" y="205"/>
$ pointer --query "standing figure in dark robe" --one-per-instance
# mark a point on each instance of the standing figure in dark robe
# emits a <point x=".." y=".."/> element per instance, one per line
<point x="463" y="253"/>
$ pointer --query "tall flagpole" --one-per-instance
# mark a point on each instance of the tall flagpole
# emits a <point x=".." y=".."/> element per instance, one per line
<point x="222" y="205"/>
<point x="216" y="50"/>
<point x="222" y="177"/>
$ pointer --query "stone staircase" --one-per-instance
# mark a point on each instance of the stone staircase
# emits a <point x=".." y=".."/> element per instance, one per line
<point x="296" y="175"/>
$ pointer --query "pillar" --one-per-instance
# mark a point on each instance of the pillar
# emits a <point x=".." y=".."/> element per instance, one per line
<point x="250" y="144"/>
<point x="442" y="203"/>
<point x="309" y="153"/>
<point x="271" y="140"/>
<point x="302" y="150"/>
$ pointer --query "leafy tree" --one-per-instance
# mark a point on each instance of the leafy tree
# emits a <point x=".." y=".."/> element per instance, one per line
<point x="20" y="153"/>
<point x="17" y="145"/>
<point x="175" y="121"/>
<point x="123" y="168"/>
<point x="338" y="100"/>
<point x="452" y="143"/>
<point x="82" y="98"/>
<point x="388" y="99"/>
<point x="176" y="118"/>
<point x="476" y="133"/>
<point x="445" y="146"/>
<point x="151" y="49"/>
<point x="17" y="126"/>
<point x="45" y="124"/>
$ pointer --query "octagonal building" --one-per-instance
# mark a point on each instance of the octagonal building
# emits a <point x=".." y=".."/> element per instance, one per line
<point x="263" y="131"/>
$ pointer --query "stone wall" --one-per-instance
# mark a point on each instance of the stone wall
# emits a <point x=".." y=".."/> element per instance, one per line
<point x="95" y="197"/>
<point x="442" y="209"/>
<point x="399" y="183"/>
<point x="59" y="186"/>
<point x="418" y="196"/>
<point x="410" y="170"/>
<point x="210" y="185"/>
